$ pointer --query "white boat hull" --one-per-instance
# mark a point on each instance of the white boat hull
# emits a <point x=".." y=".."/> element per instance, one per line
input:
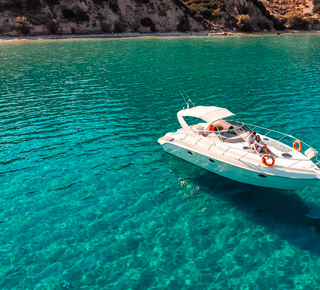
<point x="236" y="173"/>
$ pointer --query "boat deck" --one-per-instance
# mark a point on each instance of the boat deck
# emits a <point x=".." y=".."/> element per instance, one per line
<point x="286" y="158"/>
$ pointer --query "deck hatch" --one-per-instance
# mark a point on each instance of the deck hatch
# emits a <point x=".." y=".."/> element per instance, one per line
<point x="277" y="145"/>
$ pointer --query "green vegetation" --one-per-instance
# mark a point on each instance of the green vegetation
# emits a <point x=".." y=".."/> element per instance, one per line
<point x="316" y="7"/>
<point x="246" y="16"/>
<point x="54" y="26"/>
<point x="296" y="20"/>
<point x="23" y="25"/>
<point x="209" y="9"/>
<point x="244" y="23"/>
<point x="280" y="21"/>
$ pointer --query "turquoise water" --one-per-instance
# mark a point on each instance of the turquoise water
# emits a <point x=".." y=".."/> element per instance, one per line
<point x="90" y="201"/>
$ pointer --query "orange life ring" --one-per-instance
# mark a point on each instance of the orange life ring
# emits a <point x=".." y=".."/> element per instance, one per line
<point x="298" y="148"/>
<point x="211" y="127"/>
<point x="265" y="158"/>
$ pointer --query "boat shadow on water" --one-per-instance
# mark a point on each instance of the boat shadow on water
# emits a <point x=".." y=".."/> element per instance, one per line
<point x="288" y="214"/>
<point x="282" y="212"/>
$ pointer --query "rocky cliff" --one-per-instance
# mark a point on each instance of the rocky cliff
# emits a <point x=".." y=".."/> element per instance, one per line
<point x="295" y="14"/>
<point x="285" y="6"/>
<point x="224" y="14"/>
<point x="256" y="15"/>
<point x="43" y="17"/>
<point x="39" y="17"/>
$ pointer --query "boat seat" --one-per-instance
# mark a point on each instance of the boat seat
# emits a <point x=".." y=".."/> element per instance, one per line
<point x="200" y="129"/>
<point x="231" y="139"/>
<point x="197" y="126"/>
<point x="222" y="125"/>
<point x="310" y="153"/>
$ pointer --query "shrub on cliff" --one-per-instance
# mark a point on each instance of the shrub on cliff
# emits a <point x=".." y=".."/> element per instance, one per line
<point x="311" y="21"/>
<point x="244" y="23"/>
<point x="54" y="26"/>
<point x="23" y="25"/>
<point x="316" y="7"/>
<point x="295" y="20"/>
<point x="279" y="21"/>
<point x="209" y="9"/>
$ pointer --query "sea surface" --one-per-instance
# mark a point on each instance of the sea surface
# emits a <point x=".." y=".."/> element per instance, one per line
<point x="89" y="200"/>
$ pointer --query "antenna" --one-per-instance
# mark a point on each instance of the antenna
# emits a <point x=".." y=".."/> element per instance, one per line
<point x="186" y="99"/>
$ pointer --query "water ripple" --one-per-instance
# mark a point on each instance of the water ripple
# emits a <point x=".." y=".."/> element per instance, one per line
<point x="89" y="200"/>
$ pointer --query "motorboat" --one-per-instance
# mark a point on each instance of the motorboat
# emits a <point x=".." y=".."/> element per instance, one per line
<point x="220" y="145"/>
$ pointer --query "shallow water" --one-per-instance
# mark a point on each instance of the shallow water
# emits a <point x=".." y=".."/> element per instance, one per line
<point x="90" y="201"/>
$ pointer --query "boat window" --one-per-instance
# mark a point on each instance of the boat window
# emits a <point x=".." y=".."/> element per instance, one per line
<point x="245" y="128"/>
<point x="233" y="131"/>
<point x="211" y="160"/>
<point x="190" y="152"/>
<point x="240" y="125"/>
<point x="262" y="175"/>
<point x="191" y="121"/>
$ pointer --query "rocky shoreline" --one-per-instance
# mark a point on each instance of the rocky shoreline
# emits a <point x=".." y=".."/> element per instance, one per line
<point x="118" y="18"/>
<point x="104" y="35"/>
<point x="150" y="35"/>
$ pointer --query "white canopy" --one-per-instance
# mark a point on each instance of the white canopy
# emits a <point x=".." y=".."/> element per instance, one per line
<point x="209" y="114"/>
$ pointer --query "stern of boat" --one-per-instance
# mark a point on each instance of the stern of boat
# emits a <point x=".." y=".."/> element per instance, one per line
<point x="166" y="138"/>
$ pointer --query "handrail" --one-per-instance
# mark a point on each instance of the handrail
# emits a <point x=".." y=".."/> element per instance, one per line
<point x="282" y="138"/>
<point x="287" y="135"/>
<point x="224" y="144"/>
<point x="254" y="127"/>
<point x="247" y="153"/>
<point x="253" y="153"/>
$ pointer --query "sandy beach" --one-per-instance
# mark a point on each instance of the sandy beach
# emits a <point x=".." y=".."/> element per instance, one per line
<point x="99" y="36"/>
<point x="4" y="39"/>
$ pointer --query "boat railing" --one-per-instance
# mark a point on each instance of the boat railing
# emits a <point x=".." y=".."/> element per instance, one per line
<point x="244" y="128"/>
<point x="287" y="142"/>
<point x="227" y="147"/>
<point x="284" y="135"/>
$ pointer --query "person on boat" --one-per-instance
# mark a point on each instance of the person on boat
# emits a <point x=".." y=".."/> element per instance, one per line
<point x="251" y="138"/>
<point x="259" y="146"/>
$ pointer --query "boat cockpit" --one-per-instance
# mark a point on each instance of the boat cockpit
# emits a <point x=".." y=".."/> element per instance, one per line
<point x="225" y="130"/>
